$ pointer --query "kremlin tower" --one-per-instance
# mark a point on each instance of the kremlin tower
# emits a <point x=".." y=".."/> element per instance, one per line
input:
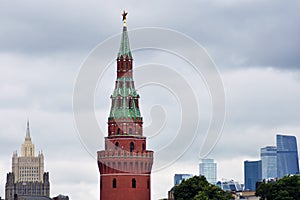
<point x="125" y="164"/>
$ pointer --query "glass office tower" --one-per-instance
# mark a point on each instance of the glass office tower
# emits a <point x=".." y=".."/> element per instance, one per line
<point x="208" y="168"/>
<point x="178" y="178"/>
<point x="269" y="162"/>
<point x="252" y="174"/>
<point x="287" y="155"/>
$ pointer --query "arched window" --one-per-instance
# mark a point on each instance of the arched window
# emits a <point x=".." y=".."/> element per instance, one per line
<point x="136" y="103"/>
<point x="114" y="183"/>
<point x="143" y="147"/>
<point x="130" y="103"/>
<point x="131" y="146"/>
<point x="119" y="131"/>
<point x="133" y="183"/>
<point x="130" y="131"/>
<point x="116" y="145"/>
<point x="119" y="102"/>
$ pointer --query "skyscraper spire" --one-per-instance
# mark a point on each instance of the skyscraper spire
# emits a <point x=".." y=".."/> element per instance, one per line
<point x="27" y="132"/>
<point x="27" y="146"/>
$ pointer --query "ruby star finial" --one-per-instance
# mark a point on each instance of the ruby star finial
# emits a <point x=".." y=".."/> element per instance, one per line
<point x="124" y="15"/>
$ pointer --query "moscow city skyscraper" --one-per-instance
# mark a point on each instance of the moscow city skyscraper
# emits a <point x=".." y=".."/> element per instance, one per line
<point x="252" y="174"/>
<point x="178" y="178"/>
<point x="269" y="162"/>
<point x="287" y="155"/>
<point x="208" y="168"/>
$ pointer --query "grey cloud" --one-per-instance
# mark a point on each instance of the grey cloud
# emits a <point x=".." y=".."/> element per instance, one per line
<point x="263" y="33"/>
<point x="263" y="97"/>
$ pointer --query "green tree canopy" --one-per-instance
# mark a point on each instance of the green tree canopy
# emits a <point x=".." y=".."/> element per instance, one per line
<point x="287" y="188"/>
<point x="197" y="188"/>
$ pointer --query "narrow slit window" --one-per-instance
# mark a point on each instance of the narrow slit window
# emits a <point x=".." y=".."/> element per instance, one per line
<point x="114" y="183"/>
<point x="131" y="146"/>
<point x="133" y="183"/>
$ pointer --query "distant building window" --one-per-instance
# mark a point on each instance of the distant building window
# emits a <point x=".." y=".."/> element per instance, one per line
<point x="143" y="147"/>
<point x="130" y="131"/>
<point x="114" y="184"/>
<point x="133" y="183"/>
<point x="119" y="131"/>
<point x="116" y="145"/>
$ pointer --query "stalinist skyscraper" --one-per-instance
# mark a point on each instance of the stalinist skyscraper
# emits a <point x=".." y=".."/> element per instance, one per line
<point x="27" y="177"/>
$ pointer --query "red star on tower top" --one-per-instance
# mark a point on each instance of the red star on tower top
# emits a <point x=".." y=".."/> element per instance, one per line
<point x="124" y="15"/>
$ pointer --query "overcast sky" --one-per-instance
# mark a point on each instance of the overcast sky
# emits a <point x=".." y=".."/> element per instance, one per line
<point x="43" y="44"/>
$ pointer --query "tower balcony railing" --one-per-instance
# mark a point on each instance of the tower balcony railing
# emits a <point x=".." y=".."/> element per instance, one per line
<point x="122" y="153"/>
<point x="125" y="120"/>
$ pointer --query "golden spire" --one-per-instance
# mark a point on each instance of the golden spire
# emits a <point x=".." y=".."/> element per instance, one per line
<point x="124" y="14"/>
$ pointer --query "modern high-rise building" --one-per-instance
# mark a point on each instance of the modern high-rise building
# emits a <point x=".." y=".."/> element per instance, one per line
<point x="269" y="162"/>
<point x="208" y="168"/>
<point x="178" y="178"/>
<point x="252" y="174"/>
<point x="287" y="155"/>
<point x="27" y="177"/>
<point x="125" y="164"/>
<point x="230" y="185"/>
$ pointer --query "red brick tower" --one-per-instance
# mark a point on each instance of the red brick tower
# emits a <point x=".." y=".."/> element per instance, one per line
<point x="125" y="164"/>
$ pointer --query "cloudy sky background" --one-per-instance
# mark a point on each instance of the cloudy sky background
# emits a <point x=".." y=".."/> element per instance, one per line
<point x="255" y="45"/>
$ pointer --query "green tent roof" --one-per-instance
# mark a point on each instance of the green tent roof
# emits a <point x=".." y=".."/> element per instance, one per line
<point x="124" y="47"/>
